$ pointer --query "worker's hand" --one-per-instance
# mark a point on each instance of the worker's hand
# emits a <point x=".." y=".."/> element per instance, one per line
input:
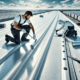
<point x="34" y="36"/>
<point x="57" y="30"/>
<point x="23" y="30"/>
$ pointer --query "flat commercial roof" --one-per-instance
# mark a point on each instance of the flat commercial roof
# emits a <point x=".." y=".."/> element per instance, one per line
<point x="48" y="60"/>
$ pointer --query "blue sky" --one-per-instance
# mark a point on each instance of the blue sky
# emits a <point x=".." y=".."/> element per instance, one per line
<point x="26" y="4"/>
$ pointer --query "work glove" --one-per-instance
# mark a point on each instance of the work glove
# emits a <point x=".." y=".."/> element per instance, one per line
<point x="34" y="36"/>
<point x="56" y="30"/>
<point x="60" y="35"/>
<point x="23" y="30"/>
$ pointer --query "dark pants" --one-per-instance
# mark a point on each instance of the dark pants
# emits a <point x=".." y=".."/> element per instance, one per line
<point x="70" y="31"/>
<point x="16" y="34"/>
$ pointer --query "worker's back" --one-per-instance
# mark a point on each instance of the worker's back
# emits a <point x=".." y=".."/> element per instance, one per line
<point x="67" y="23"/>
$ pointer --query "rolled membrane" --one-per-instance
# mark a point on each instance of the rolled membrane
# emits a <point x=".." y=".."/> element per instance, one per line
<point x="76" y="43"/>
<point x="33" y="45"/>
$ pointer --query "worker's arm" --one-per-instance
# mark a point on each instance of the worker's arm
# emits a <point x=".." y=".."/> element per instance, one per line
<point x="30" y="24"/>
<point x="62" y="32"/>
<point x="61" y="27"/>
<point x="65" y="30"/>
<point x="16" y="26"/>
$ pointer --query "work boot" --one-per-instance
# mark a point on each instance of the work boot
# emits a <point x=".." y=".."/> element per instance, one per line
<point x="75" y="33"/>
<point x="24" y="39"/>
<point x="6" y="38"/>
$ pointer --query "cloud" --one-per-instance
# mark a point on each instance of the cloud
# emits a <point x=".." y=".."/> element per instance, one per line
<point x="2" y="2"/>
<point x="76" y="2"/>
<point x="64" y="6"/>
<point x="65" y="1"/>
<point x="36" y="0"/>
<point x="50" y="6"/>
<point x="53" y="2"/>
<point x="21" y="2"/>
<point x="28" y="4"/>
<point x="31" y="5"/>
<point x="42" y="5"/>
<point x="3" y="7"/>
<point x="12" y="4"/>
<point x="34" y="5"/>
<point x="58" y="6"/>
<point x="45" y="5"/>
<point x="69" y="6"/>
<point x="37" y="6"/>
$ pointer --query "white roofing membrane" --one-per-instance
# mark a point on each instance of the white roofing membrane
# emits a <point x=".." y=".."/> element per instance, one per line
<point x="45" y="61"/>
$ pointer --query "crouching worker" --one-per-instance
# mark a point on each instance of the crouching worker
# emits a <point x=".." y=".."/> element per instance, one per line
<point x="68" y="29"/>
<point x="17" y="26"/>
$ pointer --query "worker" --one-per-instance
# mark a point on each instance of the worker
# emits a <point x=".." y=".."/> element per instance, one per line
<point x="68" y="29"/>
<point x="18" y="25"/>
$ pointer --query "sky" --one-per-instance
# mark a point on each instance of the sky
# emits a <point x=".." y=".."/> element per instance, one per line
<point x="39" y="4"/>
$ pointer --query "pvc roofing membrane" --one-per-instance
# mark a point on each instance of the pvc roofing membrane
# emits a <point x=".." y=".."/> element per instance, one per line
<point x="50" y="59"/>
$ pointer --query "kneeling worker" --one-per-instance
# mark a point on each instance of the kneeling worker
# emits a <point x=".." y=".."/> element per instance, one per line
<point x="17" y="26"/>
<point x="68" y="29"/>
